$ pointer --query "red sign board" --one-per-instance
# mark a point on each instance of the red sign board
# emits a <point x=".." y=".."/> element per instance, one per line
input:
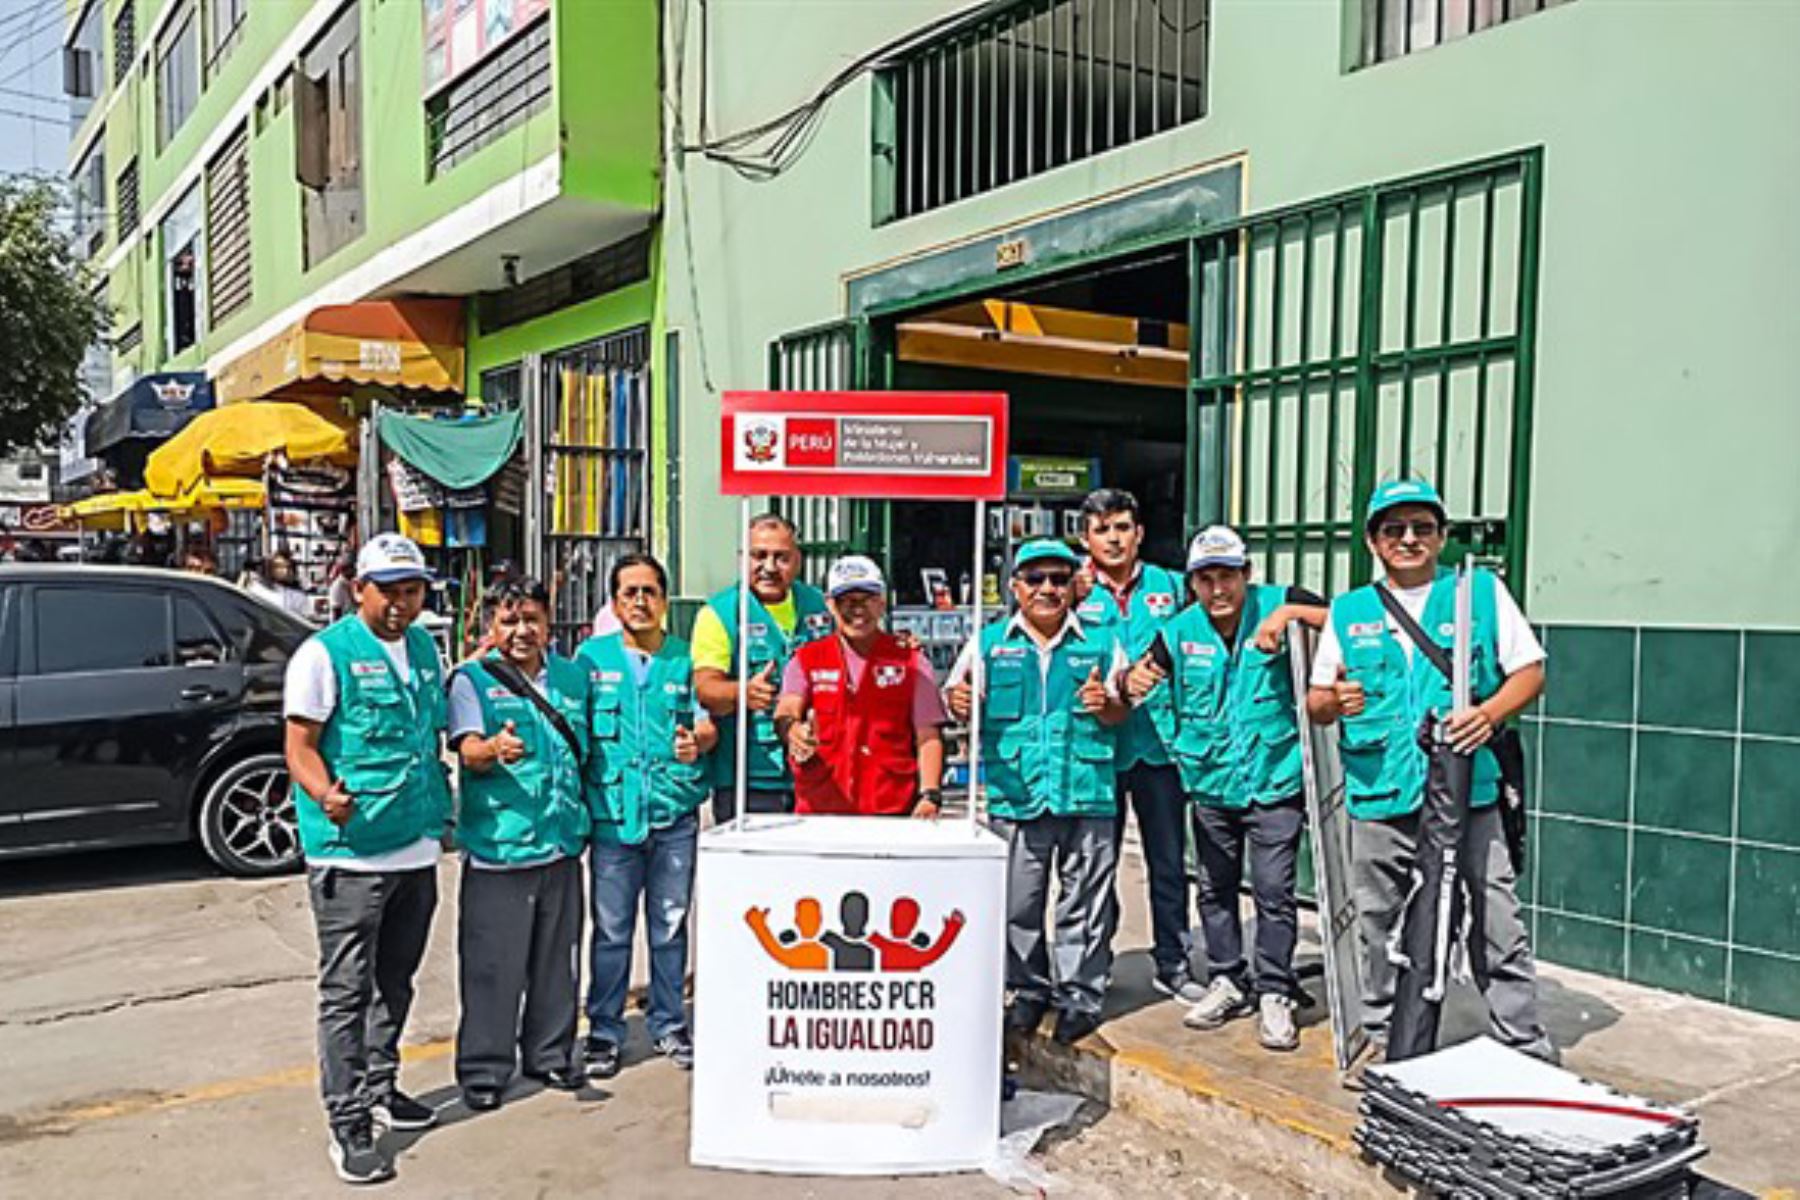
<point x="876" y="445"/>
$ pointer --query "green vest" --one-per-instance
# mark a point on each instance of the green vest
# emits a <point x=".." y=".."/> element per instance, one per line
<point x="1155" y="598"/>
<point x="1233" y="723"/>
<point x="1041" y="752"/>
<point x="634" y="784"/>
<point x="382" y="739"/>
<point x="1384" y="768"/>
<point x="766" y="765"/>
<point x="533" y="809"/>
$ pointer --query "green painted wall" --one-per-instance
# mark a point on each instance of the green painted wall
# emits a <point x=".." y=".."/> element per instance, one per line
<point x="1670" y="280"/>
<point x="611" y="313"/>
<point x="602" y="122"/>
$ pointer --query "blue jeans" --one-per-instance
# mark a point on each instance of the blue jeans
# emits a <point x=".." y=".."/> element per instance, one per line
<point x="661" y="872"/>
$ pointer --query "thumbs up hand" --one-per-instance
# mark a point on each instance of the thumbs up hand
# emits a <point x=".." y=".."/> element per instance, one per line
<point x="687" y="749"/>
<point x="508" y="746"/>
<point x="1093" y="692"/>
<point x="1349" y="693"/>
<point x="1144" y="675"/>
<point x="803" y="740"/>
<point x="759" y="692"/>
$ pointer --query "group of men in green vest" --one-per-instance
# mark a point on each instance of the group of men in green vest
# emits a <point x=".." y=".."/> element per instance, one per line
<point x="1114" y="687"/>
<point x="1118" y="686"/>
<point x="603" y="754"/>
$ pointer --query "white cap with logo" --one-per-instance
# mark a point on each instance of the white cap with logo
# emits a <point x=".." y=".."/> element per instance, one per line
<point x="854" y="573"/>
<point x="390" y="558"/>
<point x="1217" y="546"/>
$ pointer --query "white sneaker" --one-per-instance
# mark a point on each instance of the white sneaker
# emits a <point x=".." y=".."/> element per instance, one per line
<point x="1222" y="1001"/>
<point x="1275" y="1027"/>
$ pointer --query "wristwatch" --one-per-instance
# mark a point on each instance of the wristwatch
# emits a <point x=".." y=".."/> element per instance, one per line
<point x="932" y="796"/>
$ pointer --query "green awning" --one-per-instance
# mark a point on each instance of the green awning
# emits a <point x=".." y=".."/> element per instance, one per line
<point x="460" y="453"/>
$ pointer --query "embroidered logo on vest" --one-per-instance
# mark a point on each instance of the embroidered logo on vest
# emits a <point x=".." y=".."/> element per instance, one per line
<point x="888" y="675"/>
<point x="1159" y="603"/>
<point x="360" y="669"/>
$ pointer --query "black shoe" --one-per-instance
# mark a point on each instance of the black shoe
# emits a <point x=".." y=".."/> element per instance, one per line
<point x="1024" y="1016"/>
<point x="354" y="1156"/>
<point x="677" y="1047"/>
<point x="481" y="1099"/>
<point x="602" y="1057"/>
<point x="1072" y="1026"/>
<point x="400" y="1112"/>
<point x="560" y="1079"/>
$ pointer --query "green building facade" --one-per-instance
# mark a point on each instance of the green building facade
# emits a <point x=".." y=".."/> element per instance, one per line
<point x="1247" y="258"/>
<point x="243" y="166"/>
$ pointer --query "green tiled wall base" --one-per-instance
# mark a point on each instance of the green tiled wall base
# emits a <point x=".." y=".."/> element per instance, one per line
<point x="1665" y="787"/>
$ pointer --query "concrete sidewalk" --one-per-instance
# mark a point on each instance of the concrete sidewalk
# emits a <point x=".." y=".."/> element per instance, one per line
<point x="1739" y="1071"/>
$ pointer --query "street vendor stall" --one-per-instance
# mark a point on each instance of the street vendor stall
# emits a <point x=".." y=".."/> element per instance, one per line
<point x="848" y="981"/>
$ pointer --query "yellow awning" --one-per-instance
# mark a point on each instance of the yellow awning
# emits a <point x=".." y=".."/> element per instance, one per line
<point x="392" y="343"/>
<point x="109" y="510"/>
<point x="237" y="440"/>
<point x="120" y="510"/>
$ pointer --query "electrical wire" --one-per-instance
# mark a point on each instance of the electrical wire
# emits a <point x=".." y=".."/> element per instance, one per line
<point x="767" y="150"/>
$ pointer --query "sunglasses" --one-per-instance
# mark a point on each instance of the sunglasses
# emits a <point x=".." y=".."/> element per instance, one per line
<point x="1393" y="531"/>
<point x="1056" y="579"/>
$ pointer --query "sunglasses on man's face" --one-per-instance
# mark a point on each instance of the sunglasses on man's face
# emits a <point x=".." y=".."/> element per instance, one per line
<point x="1056" y="579"/>
<point x="1393" y="531"/>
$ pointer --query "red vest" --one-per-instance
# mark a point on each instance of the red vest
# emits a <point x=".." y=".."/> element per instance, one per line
<point x="866" y="764"/>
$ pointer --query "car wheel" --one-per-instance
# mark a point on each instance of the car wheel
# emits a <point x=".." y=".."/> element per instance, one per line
<point x="247" y="822"/>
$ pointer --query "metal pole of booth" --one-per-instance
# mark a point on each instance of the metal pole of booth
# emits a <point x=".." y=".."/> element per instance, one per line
<point x="743" y="665"/>
<point x="978" y="576"/>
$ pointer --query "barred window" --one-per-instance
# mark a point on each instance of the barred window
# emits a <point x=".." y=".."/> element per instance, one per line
<point x="124" y="41"/>
<point x="228" y="228"/>
<point x="500" y="94"/>
<point x="596" y="274"/>
<point x="1031" y="88"/>
<point x="1395" y="28"/>
<point x="128" y="210"/>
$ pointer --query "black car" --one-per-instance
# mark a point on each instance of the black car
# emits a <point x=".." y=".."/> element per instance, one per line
<point x="143" y="706"/>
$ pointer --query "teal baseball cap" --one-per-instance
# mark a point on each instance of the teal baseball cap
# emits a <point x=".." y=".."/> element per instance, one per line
<point x="1396" y="492"/>
<point x="1044" y="550"/>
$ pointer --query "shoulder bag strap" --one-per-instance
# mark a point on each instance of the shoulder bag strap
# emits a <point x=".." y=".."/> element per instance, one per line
<point x="518" y="685"/>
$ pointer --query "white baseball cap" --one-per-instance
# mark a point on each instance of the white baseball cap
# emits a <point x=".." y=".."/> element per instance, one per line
<point x="390" y="558"/>
<point x="854" y="573"/>
<point x="1217" y="546"/>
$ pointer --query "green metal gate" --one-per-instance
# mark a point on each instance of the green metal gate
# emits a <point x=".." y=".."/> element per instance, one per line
<point x="828" y="358"/>
<point x="1382" y="333"/>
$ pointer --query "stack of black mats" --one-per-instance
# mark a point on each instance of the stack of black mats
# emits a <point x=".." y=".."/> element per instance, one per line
<point x="1482" y="1120"/>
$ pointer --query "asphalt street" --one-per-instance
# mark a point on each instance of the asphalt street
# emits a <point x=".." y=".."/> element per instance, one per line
<point x="156" y="1030"/>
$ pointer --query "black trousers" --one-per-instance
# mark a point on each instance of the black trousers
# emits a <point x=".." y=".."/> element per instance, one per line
<point x="1271" y="834"/>
<point x="372" y="927"/>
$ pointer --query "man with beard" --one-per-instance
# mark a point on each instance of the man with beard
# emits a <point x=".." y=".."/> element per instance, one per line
<point x="518" y="723"/>
<point x="365" y="718"/>
<point x="784" y="615"/>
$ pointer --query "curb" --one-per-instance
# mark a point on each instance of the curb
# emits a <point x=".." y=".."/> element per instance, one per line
<point x="1255" y="1125"/>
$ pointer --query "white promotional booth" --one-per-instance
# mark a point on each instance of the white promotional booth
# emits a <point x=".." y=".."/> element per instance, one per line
<point x="849" y="971"/>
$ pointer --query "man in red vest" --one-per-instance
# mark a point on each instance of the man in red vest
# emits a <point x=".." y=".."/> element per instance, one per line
<point x="860" y="712"/>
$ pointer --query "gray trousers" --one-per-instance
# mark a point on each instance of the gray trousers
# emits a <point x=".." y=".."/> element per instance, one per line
<point x="518" y="937"/>
<point x="372" y="927"/>
<point x="1083" y="854"/>
<point x="1499" y="950"/>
